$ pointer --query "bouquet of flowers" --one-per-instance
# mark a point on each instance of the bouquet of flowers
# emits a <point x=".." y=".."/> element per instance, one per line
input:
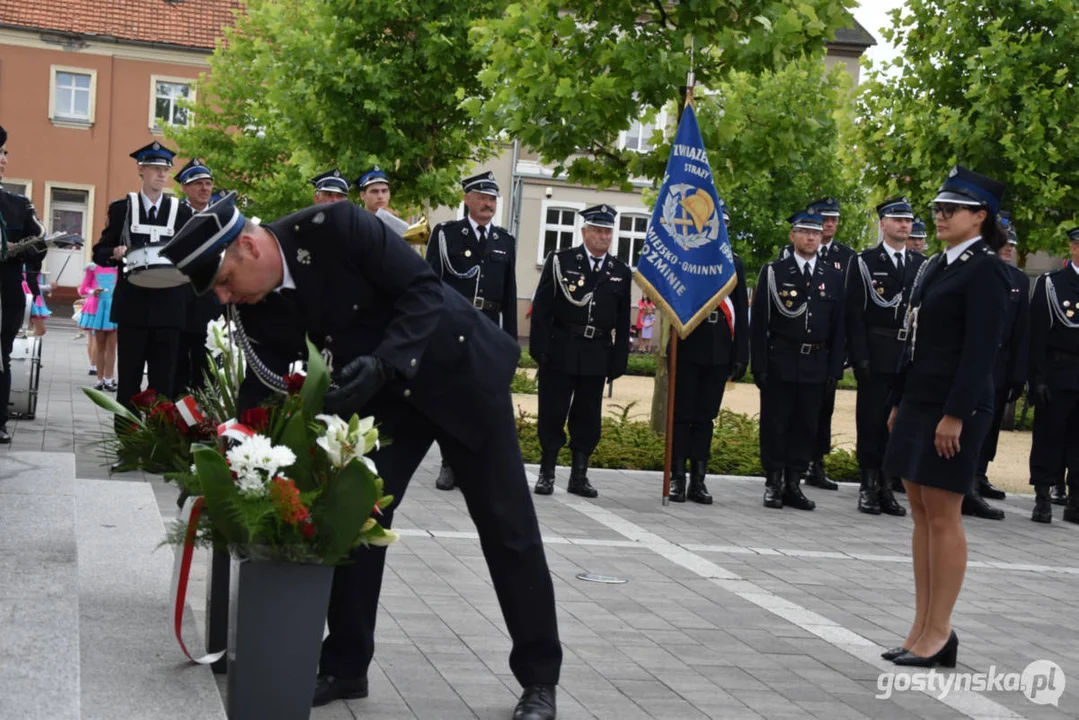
<point x="281" y="482"/>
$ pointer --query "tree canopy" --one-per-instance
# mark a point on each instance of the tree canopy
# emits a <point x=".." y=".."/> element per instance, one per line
<point x="988" y="84"/>
<point x="308" y="85"/>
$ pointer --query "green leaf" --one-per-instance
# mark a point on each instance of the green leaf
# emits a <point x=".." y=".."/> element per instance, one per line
<point x="108" y="402"/>
<point x="341" y="510"/>
<point x="316" y="383"/>
<point x="296" y="438"/>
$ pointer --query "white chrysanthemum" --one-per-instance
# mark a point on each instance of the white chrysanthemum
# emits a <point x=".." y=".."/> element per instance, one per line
<point x="257" y="453"/>
<point x="252" y="484"/>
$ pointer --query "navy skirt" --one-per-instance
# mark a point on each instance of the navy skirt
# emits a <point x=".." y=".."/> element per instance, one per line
<point x="911" y="454"/>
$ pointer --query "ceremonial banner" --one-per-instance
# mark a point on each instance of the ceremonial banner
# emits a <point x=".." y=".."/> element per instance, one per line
<point x="686" y="265"/>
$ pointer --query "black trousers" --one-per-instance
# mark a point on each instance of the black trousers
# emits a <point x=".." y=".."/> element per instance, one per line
<point x="989" y="447"/>
<point x="698" y="394"/>
<point x="1055" y="426"/>
<point x="157" y="349"/>
<point x="822" y="444"/>
<point x="10" y="324"/>
<point x="492" y="480"/>
<point x="871" y="415"/>
<point x="578" y="396"/>
<point x="789" y="416"/>
<point x="192" y="362"/>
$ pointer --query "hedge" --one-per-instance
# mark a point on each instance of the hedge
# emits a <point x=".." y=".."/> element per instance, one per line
<point x="631" y="445"/>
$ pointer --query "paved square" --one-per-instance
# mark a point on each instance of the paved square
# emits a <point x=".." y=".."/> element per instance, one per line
<point x="728" y="611"/>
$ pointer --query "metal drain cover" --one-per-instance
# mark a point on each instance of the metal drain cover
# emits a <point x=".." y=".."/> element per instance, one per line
<point x="608" y="579"/>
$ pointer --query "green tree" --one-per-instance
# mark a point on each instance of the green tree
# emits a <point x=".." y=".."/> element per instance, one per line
<point x="299" y="86"/>
<point x="989" y="84"/>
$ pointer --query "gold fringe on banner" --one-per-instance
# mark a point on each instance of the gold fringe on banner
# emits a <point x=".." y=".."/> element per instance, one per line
<point x="672" y="316"/>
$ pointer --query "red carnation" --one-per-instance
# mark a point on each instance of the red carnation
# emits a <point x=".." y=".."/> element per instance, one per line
<point x="168" y="412"/>
<point x="258" y="419"/>
<point x="145" y="399"/>
<point x="294" y="382"/>
<point x="308" y="528"/>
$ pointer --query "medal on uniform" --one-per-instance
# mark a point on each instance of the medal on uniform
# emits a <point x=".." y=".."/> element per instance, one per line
<point x="1067" y="303"/>
<point x="468" y="253"/>
<point x="1070" y="313"/>
<point x="572" y="288"/>
<point x="788" y="303"/>
<point x="794" y="293"/>
<point x="880" y="291"/>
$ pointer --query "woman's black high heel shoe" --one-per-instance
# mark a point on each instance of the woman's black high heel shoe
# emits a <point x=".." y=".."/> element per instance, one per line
<point x="893" y="653"/>
<point x="945" y="658"/>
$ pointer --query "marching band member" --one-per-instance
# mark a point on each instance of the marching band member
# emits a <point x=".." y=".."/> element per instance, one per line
<point x="148" y="320"/>
<point x="18" y="225"/>
<point x="478" y="260"/>
<point x="580" y="339"/>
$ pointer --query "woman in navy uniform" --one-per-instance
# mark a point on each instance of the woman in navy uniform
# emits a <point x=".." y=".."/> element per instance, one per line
<point x="420" y="359"/>
<point x="717" y="350"/>
<point x="797" y="342"/>
<point x="1054" y="384"/>
<point x="478" y="260"/>
<point x="879" y="282"/>
<point x="580" y="339"/>
<point x="18" y="224"/>
<point x="1009" y="377"/>
<point x="943" y="401"/>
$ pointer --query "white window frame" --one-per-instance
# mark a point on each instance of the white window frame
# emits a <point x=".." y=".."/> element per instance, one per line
<point x="88" y="219"/>
<point x="71" y="122"/>
<point x="154" y="80"/>
<point x="659" y="123"/>
<point x="617" y="239"/>
<point x="20" y="181"/>
<point x="577" y="224"/>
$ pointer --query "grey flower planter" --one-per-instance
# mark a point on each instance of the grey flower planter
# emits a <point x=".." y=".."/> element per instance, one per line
<point x="277" y="612"/>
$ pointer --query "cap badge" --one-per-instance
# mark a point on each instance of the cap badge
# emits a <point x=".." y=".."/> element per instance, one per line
<point x="954" y="172"/>
<point x="317" y="219"/>
<point x="337" y="173"/>
<point x="157" y="145"/>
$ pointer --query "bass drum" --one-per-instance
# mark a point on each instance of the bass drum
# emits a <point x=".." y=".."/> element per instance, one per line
<point x="25" y="376"/>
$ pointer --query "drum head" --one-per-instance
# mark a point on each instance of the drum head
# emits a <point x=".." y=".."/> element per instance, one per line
<point x="158" y="277"/>
<point x="25" y="377"/>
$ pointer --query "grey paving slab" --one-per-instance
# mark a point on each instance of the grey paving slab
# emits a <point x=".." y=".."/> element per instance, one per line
<point x="717" y="618"/>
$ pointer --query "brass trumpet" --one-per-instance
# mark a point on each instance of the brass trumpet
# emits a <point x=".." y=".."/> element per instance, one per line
<point x="418" y="233"/>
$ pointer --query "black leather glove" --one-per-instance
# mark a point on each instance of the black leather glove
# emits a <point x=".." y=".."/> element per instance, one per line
<point x="738" y="371"/>
<point x="1015" y="392"/>
<point x="861" y="371"/>
<point x="760" y="380"/>
<point x="1040" y="395"/>
<point x="357" y="382"/>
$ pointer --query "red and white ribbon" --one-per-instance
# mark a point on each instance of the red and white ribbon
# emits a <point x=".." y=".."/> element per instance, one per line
<point x="233" y="430"/>
<point x="190" y="412"/>
<point x="181" y="572"/>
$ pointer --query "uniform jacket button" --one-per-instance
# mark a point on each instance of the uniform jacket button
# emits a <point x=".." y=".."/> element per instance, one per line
<point x="329" y="340"/>
<point x="412" y="362"/>
<point x="407" y="393"/>
<point x="460" y="338"/>
<point x="355" y="308"/>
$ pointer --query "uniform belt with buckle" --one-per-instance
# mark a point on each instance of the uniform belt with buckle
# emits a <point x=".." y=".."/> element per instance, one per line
<point x="586" y="331"/>
<point x="896" y="333"/>
<point x="482" y="305"/>
<point x="802" y="348"/>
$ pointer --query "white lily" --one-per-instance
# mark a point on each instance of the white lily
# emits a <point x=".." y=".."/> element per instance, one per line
<point x="345" y="441"/>
<point x="389" y="538"/>
<point x="219" y="336"/>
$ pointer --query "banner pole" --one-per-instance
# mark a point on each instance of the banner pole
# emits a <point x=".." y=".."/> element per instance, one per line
<point x="672" y="372"/>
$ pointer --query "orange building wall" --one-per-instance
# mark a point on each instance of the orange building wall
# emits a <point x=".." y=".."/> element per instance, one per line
<point x="97" y="156"/>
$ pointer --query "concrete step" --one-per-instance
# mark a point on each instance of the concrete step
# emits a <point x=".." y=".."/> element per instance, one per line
<point x="39" y="601"/>
<point x="131" y="666"/>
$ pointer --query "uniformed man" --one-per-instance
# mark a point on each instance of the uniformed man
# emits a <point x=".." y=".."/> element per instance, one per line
<point x="374" y="189"/>
<point x="580" y="339"/>
<point x="427" y="366"/>
<point x="330" y="187"/>
<point x="878" y="286"/>
<point x="149" y="320"/>
<point x="797" y="342"/>
<point x="18" y="226"/>
<point x="1009" y="377"/>
<point x="197" y="183"/>
<point x="478" y="260"/>
<point x="916" y="241"/>
<point x="1054" y="384"/>
<point x="717" y="350"/>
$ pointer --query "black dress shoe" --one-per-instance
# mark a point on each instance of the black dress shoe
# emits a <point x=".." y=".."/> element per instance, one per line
<point x="816" y="477"/>
<point x="536" y="703"/>
<point x="893" y="653"/>
<point x="987" y="489"/>
<point x="330" y="688"/>
<point x="974" y="504"/>
<point x="678" y="480"/>
<point x="698" y="491"/>
<point x="773" y="489"/>
<point x="1043" y="509"/>
<point x="1059" y="494"/>
<point x="445" y="479"/>
<point x="869" y="492"/>
<point x="578" y="477"/>
<point x="4" y="437"/>
<point x="792" y="492"/>
<point x="945" y="657"/>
